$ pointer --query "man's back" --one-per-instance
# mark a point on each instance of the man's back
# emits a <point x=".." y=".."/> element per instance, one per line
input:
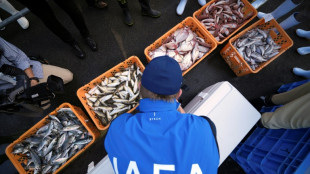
<point x="159" y="139"/>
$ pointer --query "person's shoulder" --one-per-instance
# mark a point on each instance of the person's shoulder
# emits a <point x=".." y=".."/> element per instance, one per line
<point x="194" y="117"/>
<point x="199" y="121"/>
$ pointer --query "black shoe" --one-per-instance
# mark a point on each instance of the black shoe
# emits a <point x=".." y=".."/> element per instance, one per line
<point x="260" y="124"/>
<point x="77" y="50"/>
<point x="267" y="100"/>
<point x="258" y="103"/>
<point x="152" y="13"/>
<point x="127" y="17"/>
<point x="91" y="43"/>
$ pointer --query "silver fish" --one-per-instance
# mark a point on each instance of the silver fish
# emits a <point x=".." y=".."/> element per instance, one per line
<point x="54" y="118"/>
<point x="85" y="141"/>
<point x="71" y="127"/>
<point x="115" y="89"/>
<point x="59" y="161"/>
<point x="48" y="150"/>
<point x="256" y="46"/>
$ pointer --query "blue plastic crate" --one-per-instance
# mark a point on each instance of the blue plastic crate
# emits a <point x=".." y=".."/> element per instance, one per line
<point x="247" y="147"/>
<point x="304" y="167"/>
<point x="269" y="108"/>
<point x="275" y="151"/>
<point x="233" y="153"/>
<point x="242" y="155"/>
<point x="254" y="159"/>
<point x="262" y="148"/>
<point x="297" y="155"/>
<point x="290" y="86"/>
<point x="284" y="150"/>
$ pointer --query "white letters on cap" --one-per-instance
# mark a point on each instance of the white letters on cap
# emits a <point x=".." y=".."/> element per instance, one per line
<point x="132" y="167"/>
<point x="158" y="167"/>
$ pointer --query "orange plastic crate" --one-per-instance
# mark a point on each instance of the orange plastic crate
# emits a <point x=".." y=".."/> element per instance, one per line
<point x="84" y="89"/>
<point x="17" y="159"/>
<point x="237" y="62"/>
<point x="248" y="8"/>
<point x="195" y="27"/>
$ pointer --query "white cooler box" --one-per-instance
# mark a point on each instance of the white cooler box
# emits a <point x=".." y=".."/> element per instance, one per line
<point x="230" y="111"/>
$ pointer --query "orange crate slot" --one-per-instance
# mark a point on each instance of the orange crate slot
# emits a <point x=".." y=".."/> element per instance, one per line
<point x="84" y="89"/>
<point x="195" y="27"/>
<point x="248" y="8"/>
<point x="18" y="159"/>
<point x="237" y="62"/>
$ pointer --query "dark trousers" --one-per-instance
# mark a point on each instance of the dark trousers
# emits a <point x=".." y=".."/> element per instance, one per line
<point x="145" y="4"/>
<point x="42" y="9"/>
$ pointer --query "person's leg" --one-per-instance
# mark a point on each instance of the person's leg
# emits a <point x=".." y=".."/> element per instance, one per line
<point x="147" y="10"/>
<point x="286" y="97"/>
<point x="293" y="115"/>
<point x="303" y="50"/>
<point x="291" y="21"/>
<point x="301" y="72"/>
<point x="181" y="7"/>
<point x="5" y="5"/>
<point x="202" y="2"/>
<point x="127" y="16"/>
<point x="42" y="10"/>
<point x="284" y="8"/>
<point x="303" y="33"/>
<point x="75" y="13"/>
<point x="63" y="73"/>
<point x="296" y="18"/>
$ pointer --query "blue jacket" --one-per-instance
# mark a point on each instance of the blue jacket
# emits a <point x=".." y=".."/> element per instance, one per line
<point x="159" y="139"/>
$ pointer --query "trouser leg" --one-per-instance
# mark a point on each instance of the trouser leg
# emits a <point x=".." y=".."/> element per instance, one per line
<point x="42" y="10"/>
<point x="147" y="10"/>
<point x="5" y="5"/>
<point x="293" y="115"/>
<point x="75" y="13"/>
<point x="127" y="16"/>
<point x="286" y="97"/>
<point x="145" y="4"/>
<point x="63" y="73"/>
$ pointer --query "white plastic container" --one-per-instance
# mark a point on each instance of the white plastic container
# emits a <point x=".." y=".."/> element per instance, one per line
<point x="104" y="166"/>
<point x="230" y="111"/>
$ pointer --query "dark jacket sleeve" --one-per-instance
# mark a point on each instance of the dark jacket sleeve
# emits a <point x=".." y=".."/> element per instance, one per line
<point x="213" y="128"/>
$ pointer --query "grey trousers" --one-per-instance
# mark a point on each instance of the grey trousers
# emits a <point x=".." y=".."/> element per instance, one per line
<point x="295" y="112"/>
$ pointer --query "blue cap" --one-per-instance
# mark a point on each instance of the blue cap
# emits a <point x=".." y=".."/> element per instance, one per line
<point x="162" y="76"/>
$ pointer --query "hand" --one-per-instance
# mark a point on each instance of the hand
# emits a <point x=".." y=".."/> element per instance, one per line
<point x="33" y="83"/>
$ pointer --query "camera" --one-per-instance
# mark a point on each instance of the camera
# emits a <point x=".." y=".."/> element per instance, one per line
<point x="23" y="92"/>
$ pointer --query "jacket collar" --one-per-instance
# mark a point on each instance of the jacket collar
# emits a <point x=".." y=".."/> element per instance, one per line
<point x="149" y="105"/>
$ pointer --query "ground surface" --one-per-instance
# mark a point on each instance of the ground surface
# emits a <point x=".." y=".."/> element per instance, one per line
<point x="118" y="42"/>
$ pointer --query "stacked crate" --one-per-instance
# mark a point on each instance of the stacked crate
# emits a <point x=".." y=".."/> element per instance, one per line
<point x="282" y="151"/>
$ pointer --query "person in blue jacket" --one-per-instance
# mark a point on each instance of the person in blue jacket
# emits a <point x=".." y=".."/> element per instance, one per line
<point x="160" y="137"/>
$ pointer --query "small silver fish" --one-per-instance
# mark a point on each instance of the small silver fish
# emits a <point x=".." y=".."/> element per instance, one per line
<point x="71" y="127"/>
<point x="84" y="141"/>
